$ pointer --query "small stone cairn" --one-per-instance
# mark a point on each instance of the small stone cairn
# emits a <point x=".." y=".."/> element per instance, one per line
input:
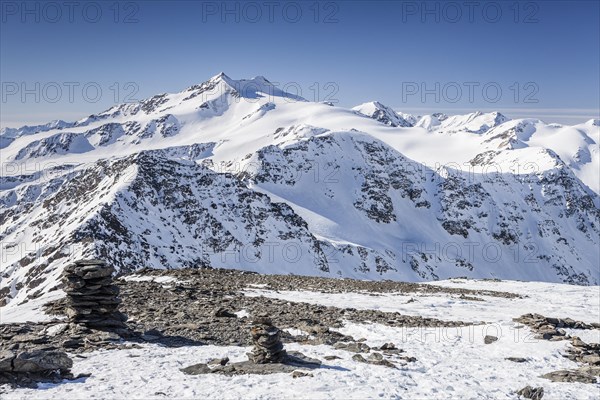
<point x="267" y="342"/>
<point x="92" y="299"/>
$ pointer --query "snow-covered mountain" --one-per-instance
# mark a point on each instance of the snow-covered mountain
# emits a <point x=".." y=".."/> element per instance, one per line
<point x="7" y="135"/>
<point x="29" y="130"/>
<point x="385" y="114"/>
<point x="476" y="122"/>
<point x="239" y="174"/>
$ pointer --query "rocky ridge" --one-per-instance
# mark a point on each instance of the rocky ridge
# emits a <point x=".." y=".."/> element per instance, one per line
<point x="78" y="190"/>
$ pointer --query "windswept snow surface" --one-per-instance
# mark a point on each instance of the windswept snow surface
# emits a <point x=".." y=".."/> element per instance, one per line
<point x="31" y="311"/>
<point x="451" y="362"/>
<point x="551" y="300"/>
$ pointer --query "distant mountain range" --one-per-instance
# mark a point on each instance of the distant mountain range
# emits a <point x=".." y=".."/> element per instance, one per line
<point x="239" y="174"/>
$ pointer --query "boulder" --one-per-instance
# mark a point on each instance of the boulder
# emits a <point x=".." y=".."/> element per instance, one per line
<point x="569" y="376"/>
<point x="41" y="360"/>
<point x="532" y="393"/>
<point x="488" y="339"/>
<point x="516" y="359"/>
<point x="6" y="357"/>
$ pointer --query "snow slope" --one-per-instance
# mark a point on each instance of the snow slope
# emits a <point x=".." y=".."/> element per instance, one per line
<point x="385" y="114"/>
<point x="237" y="173"/>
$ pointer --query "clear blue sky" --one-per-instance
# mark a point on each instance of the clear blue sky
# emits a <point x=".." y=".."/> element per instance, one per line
<point x="387" y="51"/>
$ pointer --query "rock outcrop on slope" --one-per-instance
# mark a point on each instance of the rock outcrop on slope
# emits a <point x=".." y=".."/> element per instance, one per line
<point x="385" y="115"/>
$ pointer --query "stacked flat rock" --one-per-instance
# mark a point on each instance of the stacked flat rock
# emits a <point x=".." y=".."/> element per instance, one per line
<point x="92" y="299"/>
<point x="267" y="342"/>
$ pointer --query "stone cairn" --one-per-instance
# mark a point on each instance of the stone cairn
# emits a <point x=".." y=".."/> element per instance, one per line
<point x="92" y="299"/>
<point x="266" y="339"/>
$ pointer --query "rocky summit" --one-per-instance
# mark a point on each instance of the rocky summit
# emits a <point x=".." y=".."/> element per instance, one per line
<point x="192" y="326"/>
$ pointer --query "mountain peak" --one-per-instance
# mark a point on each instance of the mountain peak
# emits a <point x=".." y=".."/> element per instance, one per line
<point x="593" y="122"/>
<point x="476" y="122"/>
<point x="259" y="86"/>
<point x="383" y="114"/>
<point x="220" y="75"/>
<point x="499" y="116"/>
<point x="261" y="78"/>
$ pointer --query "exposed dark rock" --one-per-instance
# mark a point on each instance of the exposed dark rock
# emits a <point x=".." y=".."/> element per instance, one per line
<point x="590" y="370"/>
<point x="182" y="313"/>
<point x="267" y="342"/>
<point x="488" y="339"/>
<point x="91" y="296"/>
<point x="532" y="393"/>
<point x="219" y="361"/>
<point x="593" y="359"/>
<point x="549" y="328"/>
<point x="354" y="347"/>
<point x="41" y="360"/>
<point x="187" y="310"/>
<point x="300" y="374"/>
<point x="516" y="359"/>
<point x="292" y="362"/>
<point x="222" y="313"/>
<point x="375" y="359"/>
<point x="6" y="358"/>
<point x="540" y="323"/>
<point x="197" y="369"/>
<point x="569" y="376"/>
<point x="378" y="359"/>
<point x="407" y="358"/>
<point x="26" y="368"/>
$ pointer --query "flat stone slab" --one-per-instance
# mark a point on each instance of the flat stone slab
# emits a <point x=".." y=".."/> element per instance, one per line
<point x="40" y="361"/>
<point x="92" y="261"/>
<point x="570" y="376"/>
<point x="516" y="359"/>
<point x="293" y="361"/>
<point x="590" y="370"/>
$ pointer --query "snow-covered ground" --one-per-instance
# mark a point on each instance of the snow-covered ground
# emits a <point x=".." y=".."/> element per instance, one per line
<point x="157" y="279"/>
<point x="552" y="300"/>
<point x="30" y="311"/>
<point x="454" y="368"/>
<point x="451" y="362"/>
